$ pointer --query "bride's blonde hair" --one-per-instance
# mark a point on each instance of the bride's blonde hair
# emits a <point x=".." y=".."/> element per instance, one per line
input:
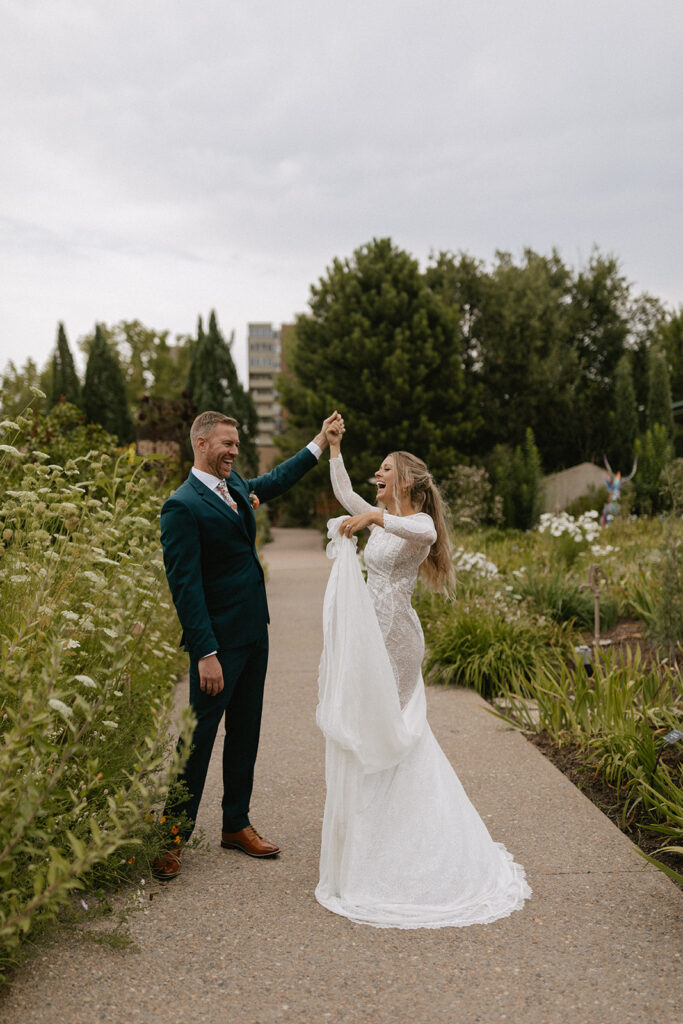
<point x="412" y="477"/>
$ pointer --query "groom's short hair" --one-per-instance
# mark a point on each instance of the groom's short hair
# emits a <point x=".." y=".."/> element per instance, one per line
<point x="205" y="424"/>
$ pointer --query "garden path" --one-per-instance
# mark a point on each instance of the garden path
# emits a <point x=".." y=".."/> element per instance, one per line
<point x="240" y="941"/>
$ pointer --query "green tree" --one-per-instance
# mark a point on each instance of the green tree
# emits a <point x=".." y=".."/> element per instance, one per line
<point x="659" y="392"/>
<point x="151" y="365"/>
<point x="104" y="391"/>
<point x="518" y="478"/>
<point x="16" y="386"/>
<point x="65" y="385"/>
<point x="384" y="348"/>
<point x="519" y="364"/>
<point x="212" y="383"/>
<point x="655" y="452"/>
<point x="599" y="326"/>
<point x="670" y="337"/>
<point x="625" y="420"/>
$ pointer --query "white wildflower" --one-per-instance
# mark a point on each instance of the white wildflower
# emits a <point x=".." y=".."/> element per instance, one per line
<point x="60" y="707"/>
<point x="10" y="449"/>
<point x="87" y="681"/>
<point x="71" y="616"/>
<point x="9" y="425"/>
<point x="37" y="392"/>
<point x="70" y="645"/>
<point x="110" y="725"/>
<point x="19" y="579"/>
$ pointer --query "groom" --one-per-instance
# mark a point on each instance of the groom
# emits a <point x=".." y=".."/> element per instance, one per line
<point x="208" y="535"/>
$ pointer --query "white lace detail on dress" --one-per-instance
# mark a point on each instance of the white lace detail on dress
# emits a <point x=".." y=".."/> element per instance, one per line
<point x="393" y="556"/>
<point x="402" y="845"/>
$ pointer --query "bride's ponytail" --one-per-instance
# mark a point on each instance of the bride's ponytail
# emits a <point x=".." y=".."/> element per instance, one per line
<point x="412" y="475"/>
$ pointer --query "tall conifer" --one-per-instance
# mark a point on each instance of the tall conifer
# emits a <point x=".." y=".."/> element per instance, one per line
<point x="104" y="391"/>
<point x="625" y="423"/>
<point x="659" y="392"/>
<point x="65" y="384"/>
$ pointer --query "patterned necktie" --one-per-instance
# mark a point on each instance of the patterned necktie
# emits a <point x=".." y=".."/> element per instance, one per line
<point x="222" y="489"/>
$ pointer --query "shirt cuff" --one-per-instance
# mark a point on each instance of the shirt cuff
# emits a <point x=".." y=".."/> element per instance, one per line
<point x="207" y="655"/>
<point x="314" y="449"/>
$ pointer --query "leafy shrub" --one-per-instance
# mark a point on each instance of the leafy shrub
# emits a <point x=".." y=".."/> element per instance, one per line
<point x="474" y="644"/>
<point x="594" y="500"/>
<point x="655" y="452"/>
<point x="86" y="674"/>
<point x="558" y="595"/>
<point x="471" y="502"/>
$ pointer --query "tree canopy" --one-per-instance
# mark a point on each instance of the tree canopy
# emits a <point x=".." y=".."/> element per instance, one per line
<point x="385" y="348"/>
<point x="65" y="385"/>
<point x="104" y="391"/>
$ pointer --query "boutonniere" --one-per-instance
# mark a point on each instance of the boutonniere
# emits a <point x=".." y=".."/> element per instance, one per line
<point x="253" y="501"/>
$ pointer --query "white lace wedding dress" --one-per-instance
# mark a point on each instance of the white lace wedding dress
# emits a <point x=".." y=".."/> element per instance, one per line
<point x="402" y="846"/>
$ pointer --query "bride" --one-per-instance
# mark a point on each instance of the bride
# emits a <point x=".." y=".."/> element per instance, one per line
<point x="402" y="846"/>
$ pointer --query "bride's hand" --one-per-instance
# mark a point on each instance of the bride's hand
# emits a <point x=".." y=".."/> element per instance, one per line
<point x="334" y="433"/>
<point x="355" y="523"/>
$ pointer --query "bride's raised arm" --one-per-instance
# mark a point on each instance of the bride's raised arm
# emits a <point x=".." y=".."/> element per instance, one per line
<point x="343" y="490"/>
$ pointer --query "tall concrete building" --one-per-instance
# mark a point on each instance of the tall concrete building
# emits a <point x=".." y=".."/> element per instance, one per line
<point x="265" y="362"/>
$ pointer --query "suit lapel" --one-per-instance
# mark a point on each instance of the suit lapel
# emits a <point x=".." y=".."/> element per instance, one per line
<point x="215" y="500"/>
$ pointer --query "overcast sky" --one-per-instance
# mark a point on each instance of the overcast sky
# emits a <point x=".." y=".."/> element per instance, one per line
<point x="163" y="157"/>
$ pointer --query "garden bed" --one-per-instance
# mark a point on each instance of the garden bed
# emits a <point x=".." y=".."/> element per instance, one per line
<point x="572" y="762"/>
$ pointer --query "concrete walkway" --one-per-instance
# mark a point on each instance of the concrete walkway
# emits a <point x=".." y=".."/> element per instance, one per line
<point x="240" y="941"/>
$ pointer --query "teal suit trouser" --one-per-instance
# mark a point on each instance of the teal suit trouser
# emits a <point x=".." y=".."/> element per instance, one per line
<point x="240" y="703"/>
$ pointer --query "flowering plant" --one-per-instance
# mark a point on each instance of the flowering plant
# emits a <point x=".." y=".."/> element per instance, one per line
<point x="88" y="656"/>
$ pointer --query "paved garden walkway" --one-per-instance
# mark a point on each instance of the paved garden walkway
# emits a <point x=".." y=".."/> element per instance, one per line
<point x="241" y="941"/>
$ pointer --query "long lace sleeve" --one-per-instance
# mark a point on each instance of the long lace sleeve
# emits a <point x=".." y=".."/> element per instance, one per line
<point x="344" y="492"/>
<point x="418" y="528"/>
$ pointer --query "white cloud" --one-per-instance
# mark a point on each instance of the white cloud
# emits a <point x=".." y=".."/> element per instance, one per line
<point x="163" y="158"/>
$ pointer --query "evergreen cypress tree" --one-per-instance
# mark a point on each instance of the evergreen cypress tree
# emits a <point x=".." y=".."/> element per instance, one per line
<point x="104" y="391"/>
<point x="625" y="422"/>
<point x="659" y="392"/>
<point x="213" y="384"/>
<point x="64" y="383"/>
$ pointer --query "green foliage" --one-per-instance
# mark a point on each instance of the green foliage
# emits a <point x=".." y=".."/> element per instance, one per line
<point x="151" y="366"/>
<point x="655" y="452"/>
<point x="19" y="388"/>
<point x="87" y="658"/>
<point x="594" y="500"/>
<point x="617" y="716"/>
<point x="659" y="393"/>
<point x="666" y="622"/>
<point x="213" y="383"/>
<point x="382" y="347"/>
<point x="65" y="385"/>
<point x="625" y="419"/>
<point x="476" y="643"/>
<point x="518" y="478"/>
<point x="104" y="391"/>
<point x="469" y="495"/>
<point x="556" y="594"/>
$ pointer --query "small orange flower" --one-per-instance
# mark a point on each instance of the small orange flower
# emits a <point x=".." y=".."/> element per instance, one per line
<point x="175" y="830"/>
<point x="177" y="840"/>
<point x="131" y="860"/>
<point x="162" y="820"/>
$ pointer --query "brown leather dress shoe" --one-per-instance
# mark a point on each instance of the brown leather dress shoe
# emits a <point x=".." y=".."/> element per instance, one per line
<point x="167" y="865"/>
<point x="249" y="841"/>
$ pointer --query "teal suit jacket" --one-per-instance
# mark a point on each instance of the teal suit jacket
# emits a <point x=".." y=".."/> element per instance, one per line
<point x="213" y="569"/>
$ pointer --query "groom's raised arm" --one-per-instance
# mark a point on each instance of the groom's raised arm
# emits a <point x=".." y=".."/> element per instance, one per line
<point x="273" y="484"/>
